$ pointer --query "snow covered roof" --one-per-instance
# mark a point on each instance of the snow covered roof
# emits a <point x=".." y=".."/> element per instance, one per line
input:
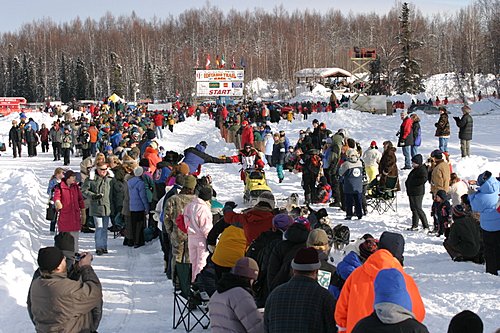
<point x="322" y="72"/>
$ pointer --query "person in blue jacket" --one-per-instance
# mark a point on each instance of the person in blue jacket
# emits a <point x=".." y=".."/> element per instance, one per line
<point x="195" y="157"/>
<point x="484" y="201"/>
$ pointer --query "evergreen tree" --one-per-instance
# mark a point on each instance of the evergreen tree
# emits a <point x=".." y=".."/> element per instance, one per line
<point x="64" y="81"/>
<point x="376" y="85"/>
<point x="3" y="77"/>
<point x="116" y="79"/>
<point x="28" y="78"/>
<point x="15" y="77"/>
<point x="82" y="80"/>
<point x="40" y="89"/>
<point x="407" y="75"/>
<point x="148" y="83"/>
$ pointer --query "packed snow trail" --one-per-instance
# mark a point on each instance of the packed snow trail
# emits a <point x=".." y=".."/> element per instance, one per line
<point x="137" y="295"/>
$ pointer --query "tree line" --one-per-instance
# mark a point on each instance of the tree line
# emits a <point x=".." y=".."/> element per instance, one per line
<point x="90" y="59"/>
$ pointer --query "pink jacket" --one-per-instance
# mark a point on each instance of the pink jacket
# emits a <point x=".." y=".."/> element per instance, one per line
<point x="198" y="219"/>
<point x="72" y="202"/>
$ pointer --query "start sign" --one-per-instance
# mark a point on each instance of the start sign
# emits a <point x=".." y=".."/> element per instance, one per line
<point x="219" y="89"/>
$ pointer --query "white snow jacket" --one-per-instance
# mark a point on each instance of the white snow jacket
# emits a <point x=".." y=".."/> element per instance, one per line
<point x="371" y="157"/>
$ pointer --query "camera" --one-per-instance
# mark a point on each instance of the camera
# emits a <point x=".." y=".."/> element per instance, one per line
<point x="80" y="256"/>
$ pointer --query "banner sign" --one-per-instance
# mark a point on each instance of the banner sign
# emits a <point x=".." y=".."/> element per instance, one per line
<point x="162" y="106"/>
<point x="215" y="75"/>
<point x="219" y="88"/>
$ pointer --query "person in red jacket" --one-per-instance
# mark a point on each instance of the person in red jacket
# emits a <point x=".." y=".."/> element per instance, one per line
<point x="249" y="158"/>
<point x="158" y="119"/>
<point x="246" y="134"/>
<point x="44" y="138"/>
<point x="255" y="220"/>
<point x="406" y="139"/>
<point x="357" y="296"/>
<point x="68" y="200"/>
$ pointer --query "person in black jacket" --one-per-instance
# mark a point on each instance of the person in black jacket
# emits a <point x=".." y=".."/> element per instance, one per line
<point x="415" y="188"/>
<point x="15" y="139"/>
<point x="465" y="125"/>
<point x="392" y="307"/>
<point x="278" y="268"/>
<point x="278" y="155"/>
<point x="464" y="241"/>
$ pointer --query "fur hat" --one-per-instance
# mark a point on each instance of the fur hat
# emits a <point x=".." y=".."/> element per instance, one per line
<point x="282" y="221"/>
<point x="205" y="193"/>
<point x="138" y="171"/>
<point x="246" y="267"/>
<point x="466" y="322"/>
<point x="49" y="258"/>
<point x="306" y="259"/>
<point x="268" y="198"/>
<point x="190" y="182"/>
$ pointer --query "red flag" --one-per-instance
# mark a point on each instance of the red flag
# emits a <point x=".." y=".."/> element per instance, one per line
<point x="207" y="64"/>
<point x="233" y="63"/>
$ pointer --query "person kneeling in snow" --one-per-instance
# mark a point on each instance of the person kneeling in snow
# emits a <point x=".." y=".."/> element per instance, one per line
<point x="323" y="191"/>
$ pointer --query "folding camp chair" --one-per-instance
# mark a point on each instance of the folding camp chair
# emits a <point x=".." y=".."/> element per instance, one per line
<point x="383" y="198"/>
<point x="189" y="310"/>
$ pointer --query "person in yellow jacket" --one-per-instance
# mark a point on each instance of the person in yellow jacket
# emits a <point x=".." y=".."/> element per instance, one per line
<point x="289" y="116"/>
<point x="170" y="122"/>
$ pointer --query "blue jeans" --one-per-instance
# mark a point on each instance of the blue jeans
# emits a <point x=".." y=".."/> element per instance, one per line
<point x="101" y="232"/>
<point x="407" y="154"/>
<point x="443" y="144"/>
<point x="159" y="132"/>
<point x="93" y="148"/>
<point x="414" y="151"/>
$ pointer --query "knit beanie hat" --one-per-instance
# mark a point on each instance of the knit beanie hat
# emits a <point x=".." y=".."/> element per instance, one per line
<point x="282" y="221"/>
<point x="390" y="287"/>
<point x="458" y="211"/>
<point x="304" y="221"/>
<point x="65" y="242"/>
<point x="394" y="243"/>
<point x="49" y="258"/>
<point x="317" y="237"/>
<point x="138" y="171"/>
<point x="367" y="248"/>
<point x="190" y="182"/>
<point x="322" y="180"/>
<point x="179" y="179"/>
<point x="150" y="135"/>
<point x="373" y="144"/>
<point x="442" y="194"/>
<point x="437" y="154"/>
<point x="246" y="267"/>
<point x="268" y="198"/>
<point x="306" y="259"/>
<point x="466" y="322"/>
<point x="418" y="159"/>
<point x="183" y="168"/>
<point x="205" y="193"/>
<point x="321" y="213"/>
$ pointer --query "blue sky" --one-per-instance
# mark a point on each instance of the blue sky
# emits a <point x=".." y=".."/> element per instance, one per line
<point x="17" y="12"/>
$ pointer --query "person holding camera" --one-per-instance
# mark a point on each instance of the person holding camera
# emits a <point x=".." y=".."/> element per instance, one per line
<point x="57" y="303"/>
<point x="97" y="189"/>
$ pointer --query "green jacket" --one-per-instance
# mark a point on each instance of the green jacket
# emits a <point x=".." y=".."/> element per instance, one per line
<point x="96" y="185"/>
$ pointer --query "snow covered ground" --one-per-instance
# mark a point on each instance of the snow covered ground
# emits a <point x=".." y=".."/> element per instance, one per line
<point x="137" y="295"/>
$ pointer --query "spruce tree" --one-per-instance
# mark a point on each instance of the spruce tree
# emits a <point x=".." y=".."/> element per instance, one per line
<point x="40" y="90"/>
<point x="148" y="83"/>
<point x="82" y="80"/>
<point x="408" y="78"/>
<point x="28" y="78"/>
<point x="64" y="81"/>
<point x="116" y="79"/>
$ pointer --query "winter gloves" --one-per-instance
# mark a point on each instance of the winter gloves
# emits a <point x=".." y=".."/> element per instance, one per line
<point x="229" y="206"/>
<point x="97" y="196"/>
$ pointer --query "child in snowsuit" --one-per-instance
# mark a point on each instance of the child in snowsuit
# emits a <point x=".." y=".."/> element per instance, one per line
<point x="441" y="212"/>
<point x="323" y="191"/>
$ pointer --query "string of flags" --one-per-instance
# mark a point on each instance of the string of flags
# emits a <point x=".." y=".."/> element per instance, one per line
<point x="220" y="62"/>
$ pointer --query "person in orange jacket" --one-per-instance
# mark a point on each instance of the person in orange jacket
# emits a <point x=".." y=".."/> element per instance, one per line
<point x="357" y="296"/>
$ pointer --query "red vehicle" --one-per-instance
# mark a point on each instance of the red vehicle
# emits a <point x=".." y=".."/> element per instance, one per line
<point x="12" y="104"/>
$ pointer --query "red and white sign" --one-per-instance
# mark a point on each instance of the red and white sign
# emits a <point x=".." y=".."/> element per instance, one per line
<point x="219" y="89"/>
<point x="219" y="75"/>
